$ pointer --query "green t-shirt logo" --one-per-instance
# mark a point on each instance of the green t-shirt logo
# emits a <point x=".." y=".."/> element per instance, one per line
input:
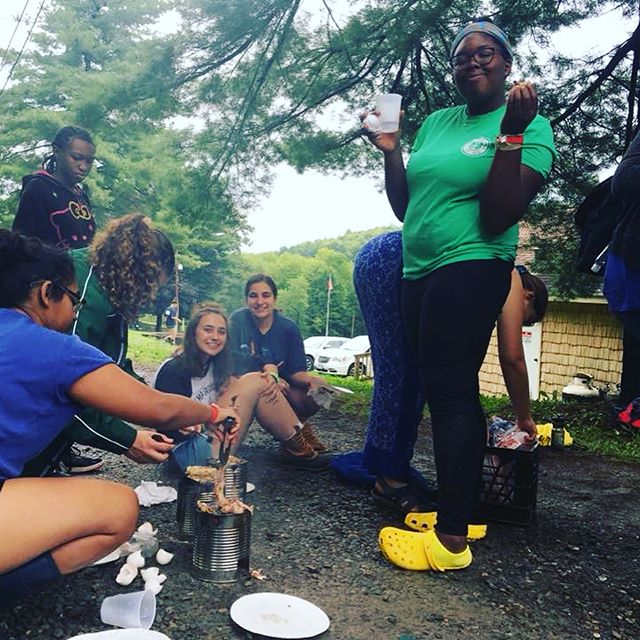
<point x="476" y="147"/>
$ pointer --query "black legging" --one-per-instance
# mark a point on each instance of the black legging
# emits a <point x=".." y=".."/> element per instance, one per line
<point x="448" y="317"/>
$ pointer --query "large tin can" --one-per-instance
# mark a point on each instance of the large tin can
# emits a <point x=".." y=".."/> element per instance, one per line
<point x="189" y="491"/>
<point x="221" y="546"/>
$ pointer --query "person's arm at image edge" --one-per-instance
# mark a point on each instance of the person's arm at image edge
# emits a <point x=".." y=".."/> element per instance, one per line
<point x="29" y="216"/>
<point x="511" y="355"/>
<point x="395" y="181"/>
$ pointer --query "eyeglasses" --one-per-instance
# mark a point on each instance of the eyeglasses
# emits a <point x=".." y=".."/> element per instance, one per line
<point x="76" y="299"/>
<point x="483" y="56"/>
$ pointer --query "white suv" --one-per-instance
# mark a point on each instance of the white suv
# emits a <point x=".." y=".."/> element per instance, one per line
<point x="315" y="345"/>
<point x="342" y="361"/>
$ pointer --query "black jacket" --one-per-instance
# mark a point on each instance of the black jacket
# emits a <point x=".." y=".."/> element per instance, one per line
<point x="626" y="189"/>
<point x="58" y="215"/>
<point x="173" y="377"/>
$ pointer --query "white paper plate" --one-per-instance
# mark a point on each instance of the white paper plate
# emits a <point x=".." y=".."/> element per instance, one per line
<point x="123" y="634"/>
<point x="279" y="615"/>
<point x="342" y="389"/>
<point x="250" y="487"/>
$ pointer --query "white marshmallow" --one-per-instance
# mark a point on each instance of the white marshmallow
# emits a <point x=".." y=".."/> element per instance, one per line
<point x="164" y="557"/>
<point x="154" y="586"/>
<point x="136" y="559"/>
<point x="373" y="123"/>
<point x="147" y="529"/>
<point x="126" y="575"/>
<point x="149" y="574"/>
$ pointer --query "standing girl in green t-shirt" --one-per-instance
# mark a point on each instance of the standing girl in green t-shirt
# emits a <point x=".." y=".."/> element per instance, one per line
<point x="472" y="172"/>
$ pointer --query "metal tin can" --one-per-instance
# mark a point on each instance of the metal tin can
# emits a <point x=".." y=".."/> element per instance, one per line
<point x="189" y="491"/>
<point x="221" y="546"/>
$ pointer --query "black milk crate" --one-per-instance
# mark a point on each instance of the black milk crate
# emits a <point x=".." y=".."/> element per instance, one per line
<point x="509" y="485"/>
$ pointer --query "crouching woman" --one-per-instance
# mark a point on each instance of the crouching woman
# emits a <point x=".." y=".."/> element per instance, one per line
<point x="48" y="376"/>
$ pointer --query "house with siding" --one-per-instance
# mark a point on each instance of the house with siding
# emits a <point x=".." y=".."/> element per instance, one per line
<point x="575" y="336"/>
<point x="578" y="335"/>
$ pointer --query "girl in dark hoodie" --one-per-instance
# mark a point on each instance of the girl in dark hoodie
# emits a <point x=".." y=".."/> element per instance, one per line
<point x="53" y="206"/>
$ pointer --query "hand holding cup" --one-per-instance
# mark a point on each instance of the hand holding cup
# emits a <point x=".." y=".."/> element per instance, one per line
<point x="371" y="124"/>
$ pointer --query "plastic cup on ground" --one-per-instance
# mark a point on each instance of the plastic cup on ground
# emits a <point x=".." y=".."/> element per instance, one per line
<point x="135" y="610"/>
<point x="388" y="107"/>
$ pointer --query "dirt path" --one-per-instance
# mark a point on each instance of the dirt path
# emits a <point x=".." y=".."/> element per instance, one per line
<point x="574" y="574"/>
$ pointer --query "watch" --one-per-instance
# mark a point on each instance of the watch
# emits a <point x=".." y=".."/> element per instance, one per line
<point x="509" y="142"/>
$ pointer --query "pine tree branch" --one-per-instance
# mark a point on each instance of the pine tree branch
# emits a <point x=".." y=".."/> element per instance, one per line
<point x="621" y="53"/>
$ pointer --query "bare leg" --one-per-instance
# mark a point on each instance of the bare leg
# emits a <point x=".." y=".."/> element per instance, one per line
<point x="274" y="413"/>
<point x="78" y="520"/>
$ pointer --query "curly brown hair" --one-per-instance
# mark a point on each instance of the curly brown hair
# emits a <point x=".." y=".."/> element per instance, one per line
<point x="130" y="257"/>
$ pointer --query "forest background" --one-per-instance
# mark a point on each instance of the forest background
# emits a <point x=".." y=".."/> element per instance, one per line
<point x="190" y="121"/>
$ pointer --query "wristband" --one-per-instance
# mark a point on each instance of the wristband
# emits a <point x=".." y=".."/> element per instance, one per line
<point x="275" y="376"/>
<point x="215" y="412"/>
<point x="509" y="142"/>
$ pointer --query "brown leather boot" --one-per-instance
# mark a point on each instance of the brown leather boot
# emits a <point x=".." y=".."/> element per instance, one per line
<point x="297" y="452"/>
<point x="311" y="437"/>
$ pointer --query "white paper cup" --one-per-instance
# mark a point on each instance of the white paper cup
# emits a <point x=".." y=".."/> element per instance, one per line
<point x="388" y="107"/>
<point x="135" y="610"/>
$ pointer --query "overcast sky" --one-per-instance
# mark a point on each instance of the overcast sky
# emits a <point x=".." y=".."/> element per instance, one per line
<point x="313" y="206"/>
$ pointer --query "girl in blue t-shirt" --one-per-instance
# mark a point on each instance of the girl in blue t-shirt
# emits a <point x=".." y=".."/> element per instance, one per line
<point x="264" y="340"/>
<point x="48" y="376"/>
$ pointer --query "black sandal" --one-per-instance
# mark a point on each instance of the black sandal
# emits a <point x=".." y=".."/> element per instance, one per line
<point x="403" y="499"/>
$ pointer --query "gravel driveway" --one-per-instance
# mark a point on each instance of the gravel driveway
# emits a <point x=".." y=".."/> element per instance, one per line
<point x="573" y="574"/>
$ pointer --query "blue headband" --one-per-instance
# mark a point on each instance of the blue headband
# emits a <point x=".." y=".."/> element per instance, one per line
<point x="490" y="29"/>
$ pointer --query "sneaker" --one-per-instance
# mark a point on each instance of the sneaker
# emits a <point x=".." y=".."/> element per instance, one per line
<point x="297" y="452"/>
<point x="311" y="437"/>
<point x="74" y="462"/>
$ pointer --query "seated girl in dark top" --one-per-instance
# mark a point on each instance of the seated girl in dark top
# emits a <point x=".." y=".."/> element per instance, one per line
<point x="203" y="372"/>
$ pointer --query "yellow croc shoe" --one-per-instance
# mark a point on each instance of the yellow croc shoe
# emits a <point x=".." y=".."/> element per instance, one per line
<point x="441" y="559"/>
<point x="427" y="521"/>
<point x="404" y="548"/>
<point x="420" y="551"/>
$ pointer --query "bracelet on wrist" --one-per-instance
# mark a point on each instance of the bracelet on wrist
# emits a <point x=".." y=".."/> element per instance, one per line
<point x="509" y="141"/>
<point x="275" y="376"/>
<point x="215" y="412"/>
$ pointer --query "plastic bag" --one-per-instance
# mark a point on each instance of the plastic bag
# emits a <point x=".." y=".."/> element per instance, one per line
<point x="506" y="435"/>
<point x="195" y="450"/>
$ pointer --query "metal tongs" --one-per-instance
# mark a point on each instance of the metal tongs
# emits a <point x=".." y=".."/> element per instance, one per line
<point x="225" y="445"/>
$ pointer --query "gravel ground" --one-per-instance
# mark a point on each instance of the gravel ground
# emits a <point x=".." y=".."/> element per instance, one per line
<point x="572" y="574"/>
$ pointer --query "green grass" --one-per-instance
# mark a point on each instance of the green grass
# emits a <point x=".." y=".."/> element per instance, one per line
<point x="589" y="423"/>
<point x="356" y="405"/>
<point x="148" y="350"/>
